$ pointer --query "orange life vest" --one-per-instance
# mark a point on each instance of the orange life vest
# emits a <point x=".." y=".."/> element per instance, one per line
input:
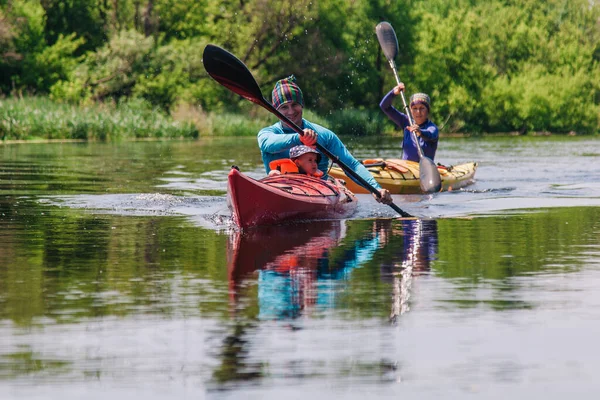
<point x="287" y="166"/>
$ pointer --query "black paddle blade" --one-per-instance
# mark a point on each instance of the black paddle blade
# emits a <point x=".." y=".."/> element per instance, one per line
<point x="230" y="72"/>
<point x="387" y="40"/>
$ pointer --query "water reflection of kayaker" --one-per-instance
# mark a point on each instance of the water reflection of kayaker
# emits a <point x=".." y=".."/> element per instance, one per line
<point x="286" y="260"/>
<point x="420" y="247"/>
<point x="276" y="140"/>
<point x="425" y="130"/>
<point x="420" y="243"/>
<point x="295" y="269"/>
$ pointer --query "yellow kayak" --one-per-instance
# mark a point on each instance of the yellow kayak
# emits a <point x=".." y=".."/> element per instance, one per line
<point x="402" y="176"/>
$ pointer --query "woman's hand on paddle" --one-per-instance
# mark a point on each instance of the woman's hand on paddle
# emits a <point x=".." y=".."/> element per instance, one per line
<point x="398" y="89"/>
<point x="414" y="128"/>
<point x="385" y="197"/>
<point x="309" y="138"/>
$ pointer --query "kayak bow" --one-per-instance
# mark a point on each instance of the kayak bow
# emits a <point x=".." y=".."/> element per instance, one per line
<point x="284" y="198"/>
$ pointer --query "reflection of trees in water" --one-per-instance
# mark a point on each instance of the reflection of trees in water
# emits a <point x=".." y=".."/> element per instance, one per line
<point x="234" y="365"/>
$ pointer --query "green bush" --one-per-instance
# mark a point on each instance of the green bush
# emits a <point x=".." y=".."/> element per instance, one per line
<point x="109" y="73"/>
<point x="172" y="69"/>
<point x="538" y="100"/>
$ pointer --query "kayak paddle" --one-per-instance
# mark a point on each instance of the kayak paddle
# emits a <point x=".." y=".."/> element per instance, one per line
<point x="429" y="176"/>
<point x="229" y="71"/>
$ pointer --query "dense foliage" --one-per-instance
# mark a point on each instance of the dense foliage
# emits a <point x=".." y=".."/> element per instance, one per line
<point x="493" y="65"/>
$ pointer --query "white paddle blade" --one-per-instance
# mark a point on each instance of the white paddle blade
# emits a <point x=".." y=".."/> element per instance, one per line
<point x="387" y="40"/>
<point x="429" y="176"/>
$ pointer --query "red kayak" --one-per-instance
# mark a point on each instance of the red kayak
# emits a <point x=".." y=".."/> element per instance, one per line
<point x="284" y="198"/>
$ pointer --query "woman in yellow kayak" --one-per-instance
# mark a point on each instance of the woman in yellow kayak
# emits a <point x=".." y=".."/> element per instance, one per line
<point x="275" y="141"/>
<point x="425" y="130"/>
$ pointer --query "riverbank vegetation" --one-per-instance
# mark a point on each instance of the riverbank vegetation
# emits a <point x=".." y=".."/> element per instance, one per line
<point x="37" y="117"/>
<point x="41" y="118"/>
<point x="133" y="68"/>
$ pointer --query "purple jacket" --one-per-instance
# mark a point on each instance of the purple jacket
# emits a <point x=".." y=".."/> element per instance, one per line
<point x="429" y="131"/>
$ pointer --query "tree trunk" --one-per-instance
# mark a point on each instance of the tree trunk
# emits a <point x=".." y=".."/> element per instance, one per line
<point x="149" y="27"/>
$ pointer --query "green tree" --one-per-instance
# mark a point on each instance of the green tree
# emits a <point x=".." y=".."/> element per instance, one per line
<point x="508" y="65"/>
<point x="84" y="18"/>
<point x="110" y="72"/>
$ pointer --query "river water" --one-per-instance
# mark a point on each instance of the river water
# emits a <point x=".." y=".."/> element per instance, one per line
<point x="121" y="276"/>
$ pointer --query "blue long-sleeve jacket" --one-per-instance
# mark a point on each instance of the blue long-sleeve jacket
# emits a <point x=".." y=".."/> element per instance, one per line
<point x="276" y="140"/>
<point x="429" y="131"/>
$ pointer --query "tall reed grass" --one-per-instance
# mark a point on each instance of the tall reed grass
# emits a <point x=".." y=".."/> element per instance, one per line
<point x="41" y="118"/>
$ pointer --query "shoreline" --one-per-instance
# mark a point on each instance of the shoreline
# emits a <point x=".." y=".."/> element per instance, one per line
<point x="389" y="135"/>
<point x="54" y="141"/>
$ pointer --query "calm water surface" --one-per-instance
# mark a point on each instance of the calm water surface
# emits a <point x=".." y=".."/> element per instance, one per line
<point x="122" y="277"/>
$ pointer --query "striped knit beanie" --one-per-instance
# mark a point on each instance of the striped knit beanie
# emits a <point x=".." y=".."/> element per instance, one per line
<point x="287" y="90"/>
<point x="420" y="98"/>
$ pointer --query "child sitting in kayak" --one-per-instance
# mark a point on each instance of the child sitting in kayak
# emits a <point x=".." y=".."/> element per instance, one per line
<point x="303" y="160"/>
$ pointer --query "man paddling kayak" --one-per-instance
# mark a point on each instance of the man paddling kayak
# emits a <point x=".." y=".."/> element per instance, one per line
<point x="275" y="141"/>
<point x="425" y="130"/>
